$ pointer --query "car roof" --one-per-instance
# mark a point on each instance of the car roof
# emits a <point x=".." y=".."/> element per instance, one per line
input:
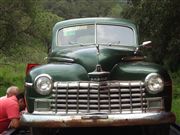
<point x="94" y="20"/>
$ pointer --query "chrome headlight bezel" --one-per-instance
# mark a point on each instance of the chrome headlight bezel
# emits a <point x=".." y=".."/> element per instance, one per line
<point x="43" y="84"/>
<point x="154" y="83"/>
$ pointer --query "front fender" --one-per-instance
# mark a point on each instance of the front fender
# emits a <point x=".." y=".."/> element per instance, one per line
<point x="136" y="71"/>
<point x="58" y="72"/>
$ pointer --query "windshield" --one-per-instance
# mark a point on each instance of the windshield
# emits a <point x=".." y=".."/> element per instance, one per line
<point x="103" y="34"/>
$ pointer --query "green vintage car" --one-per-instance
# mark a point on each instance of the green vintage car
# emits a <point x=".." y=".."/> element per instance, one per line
<point x="96" y="76"/>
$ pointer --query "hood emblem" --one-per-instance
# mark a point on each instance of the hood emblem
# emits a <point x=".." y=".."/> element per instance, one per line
<point x="98" y="74"/>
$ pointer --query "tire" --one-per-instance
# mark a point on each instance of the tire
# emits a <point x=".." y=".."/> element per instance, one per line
<point x="44" y="131"/>
<point x="163" y="129"/>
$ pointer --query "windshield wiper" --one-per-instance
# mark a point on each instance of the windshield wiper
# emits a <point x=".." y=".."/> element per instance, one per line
<point x="80" y="44"/>
<point x="116" y="44"/>
<point x="111" y="43"/>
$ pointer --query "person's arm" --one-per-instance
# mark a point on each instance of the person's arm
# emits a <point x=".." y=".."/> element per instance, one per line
<point x="14" y="123"/>
<point x="13" y="114"/>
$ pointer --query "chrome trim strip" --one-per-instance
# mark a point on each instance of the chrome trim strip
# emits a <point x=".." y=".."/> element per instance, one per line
<point x="96" y="84"/>
<point x="61" y="59"/>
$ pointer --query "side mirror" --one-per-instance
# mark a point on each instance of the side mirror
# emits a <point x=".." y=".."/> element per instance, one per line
<point x="146" y="44"/>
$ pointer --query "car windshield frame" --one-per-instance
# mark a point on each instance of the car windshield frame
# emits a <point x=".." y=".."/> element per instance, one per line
<point x="94" y="35"/>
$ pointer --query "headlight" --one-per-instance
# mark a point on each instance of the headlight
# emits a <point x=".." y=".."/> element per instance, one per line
<point x="43" y="84"/>
<point x="154" y="83"/>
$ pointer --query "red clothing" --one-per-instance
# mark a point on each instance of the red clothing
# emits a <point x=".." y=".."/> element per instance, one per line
<point x="9" y="109"/>
<point x="3" y="97"/>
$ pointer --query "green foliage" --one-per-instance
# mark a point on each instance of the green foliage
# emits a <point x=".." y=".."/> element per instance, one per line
<point x="21" y="20"/>
<point x="15" y="18"/>
<point x="11" y="74"/>
<point x="159" y="21"/>
<point x="42" y="26"/>
<point x="82" y="8"/>
<point x="176" y="84"/>
<point x="23" y="53"/>
<point x="175" y="109"/>
<point x="116" y="10"/>
<point x="176" y="94"/>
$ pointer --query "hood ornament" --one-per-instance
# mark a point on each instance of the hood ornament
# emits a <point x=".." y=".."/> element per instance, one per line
<point x="98" y="74"/>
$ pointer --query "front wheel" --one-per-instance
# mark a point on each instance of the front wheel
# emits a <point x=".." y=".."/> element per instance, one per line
<point x="163" y="129"/>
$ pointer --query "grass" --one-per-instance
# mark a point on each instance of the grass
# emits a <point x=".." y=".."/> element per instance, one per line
<point x="176" y="95"/>
<point x="13" y="65"/>
<point x="11" y="75"/>
<point x="176" y="109"/>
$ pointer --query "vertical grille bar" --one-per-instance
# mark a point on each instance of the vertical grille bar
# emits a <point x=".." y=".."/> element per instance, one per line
<point x="67" y="97"/>
<point x="56" y="97"/>
<point x="78" y="97"/>
<point x="99" y="98"/>
<point x="109" y="99"/>
<point x="141" y="97"/>
<point x="130" y="90"/>
<point x="88" y="97"/>
<point x="120" y="109"/>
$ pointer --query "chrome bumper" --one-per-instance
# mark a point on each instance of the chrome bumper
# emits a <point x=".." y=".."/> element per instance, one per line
<point x="36" y="120"/>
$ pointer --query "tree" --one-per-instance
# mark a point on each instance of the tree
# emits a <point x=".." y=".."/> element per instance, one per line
<point x="20" y="21"/>
<point x="80" y="8"/>
<point x="159" y="21"/>
<point x="15" y="18"/>
<point x="42" y="25"/>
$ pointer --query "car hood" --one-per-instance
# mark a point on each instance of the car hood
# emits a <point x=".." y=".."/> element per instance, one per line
<point x="89" y="57"/>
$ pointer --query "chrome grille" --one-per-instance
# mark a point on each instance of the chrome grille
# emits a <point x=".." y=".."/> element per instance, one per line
<point x="98" y="97"/>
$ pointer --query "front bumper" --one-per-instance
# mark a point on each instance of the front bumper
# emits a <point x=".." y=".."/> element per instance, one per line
<point x="56" y="121"/>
